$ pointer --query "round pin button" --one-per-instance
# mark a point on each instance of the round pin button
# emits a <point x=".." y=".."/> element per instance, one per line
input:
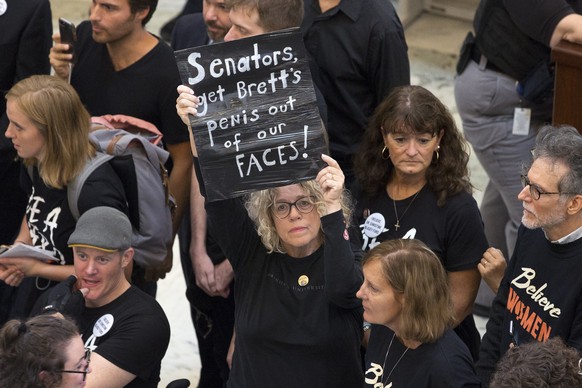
<point x="303" y="280"/>
<point x="103" y="325"/>
<point x="3" y="7"/>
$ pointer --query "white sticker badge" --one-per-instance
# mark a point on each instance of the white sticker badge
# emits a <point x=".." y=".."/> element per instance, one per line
<point x="103" y="325"/>
<point x="3" y="7"/>
<point x="374" y="225"/>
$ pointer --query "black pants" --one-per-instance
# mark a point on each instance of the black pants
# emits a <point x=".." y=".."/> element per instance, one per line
<point x="213" y="317"/>
<point x="12" y="207"/>
<point x="14" y="199"/>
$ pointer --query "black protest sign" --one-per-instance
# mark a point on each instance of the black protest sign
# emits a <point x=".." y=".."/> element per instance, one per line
<point x="258" y="125"/>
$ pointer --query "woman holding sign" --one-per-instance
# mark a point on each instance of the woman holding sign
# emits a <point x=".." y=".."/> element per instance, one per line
<point x="414" y="180"/>
<point x="298" y="322"/>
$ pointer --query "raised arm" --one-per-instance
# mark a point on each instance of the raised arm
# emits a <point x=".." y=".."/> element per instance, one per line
<point x="331" y="180"/>
<point x="343" y="273"/>
<point x="60" y="59"/>
<point x="187" y="104"/>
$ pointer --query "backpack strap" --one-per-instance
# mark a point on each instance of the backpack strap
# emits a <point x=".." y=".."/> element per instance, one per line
<point x="74" y="187"/>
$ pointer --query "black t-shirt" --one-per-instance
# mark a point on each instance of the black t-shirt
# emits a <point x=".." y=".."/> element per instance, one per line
<point x="48" y="215"/>
<point x="540" y="21"/>
<point x="445" y="363"/>
<point x="290" y="333"/>
<point x="134" y="334"/>
<point x="454" y="232"/>
<point x="146" y="89"/>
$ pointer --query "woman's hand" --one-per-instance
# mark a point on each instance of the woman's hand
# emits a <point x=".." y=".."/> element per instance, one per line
<point x="18" y="268"/>
<point x="331" y="180"/>
<point x="11" y="275"/>
<point x="186" y="103"/>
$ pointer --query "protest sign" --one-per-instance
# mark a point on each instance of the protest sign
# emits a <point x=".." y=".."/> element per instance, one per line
<point x="258" y="125"/>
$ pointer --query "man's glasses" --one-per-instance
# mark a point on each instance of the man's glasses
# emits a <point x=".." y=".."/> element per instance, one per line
<point x="535" y="191"/>
<point x="303" y="205"/>
<point x="84" y="372"/>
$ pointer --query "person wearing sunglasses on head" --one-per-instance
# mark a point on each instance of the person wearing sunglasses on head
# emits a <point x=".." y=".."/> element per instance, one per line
<point x="44" y="351"/>
<point x="540" y="295"/>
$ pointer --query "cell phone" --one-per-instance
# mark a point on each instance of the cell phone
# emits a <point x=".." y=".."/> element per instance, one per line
<point x="514" y="335"/>
<point x="68" y="33"/>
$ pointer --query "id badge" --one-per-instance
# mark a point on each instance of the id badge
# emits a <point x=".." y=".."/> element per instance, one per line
<point x="521" y="121"/>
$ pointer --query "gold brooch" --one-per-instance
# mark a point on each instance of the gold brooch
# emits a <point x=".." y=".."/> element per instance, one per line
<point x="303" y="280"/>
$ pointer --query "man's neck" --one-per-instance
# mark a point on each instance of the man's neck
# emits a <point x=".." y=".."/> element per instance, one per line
<point x="113" y="294"/>
<point x="326" y="5"/>
<point x="563" y="229"/>
<point x="125" y="52"/>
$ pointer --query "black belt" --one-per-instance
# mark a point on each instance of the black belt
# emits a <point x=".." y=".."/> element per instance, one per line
<point x="476" y="56"/>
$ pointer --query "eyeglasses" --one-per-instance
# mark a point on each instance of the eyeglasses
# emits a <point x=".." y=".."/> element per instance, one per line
<point x="303" y="205"/>
<point x="535" y="191"/>
<point x="87" y="359"/>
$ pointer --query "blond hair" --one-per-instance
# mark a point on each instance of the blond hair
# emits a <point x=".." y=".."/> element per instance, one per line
<point x="259" y="203"/>
<point x="55" y="108"/>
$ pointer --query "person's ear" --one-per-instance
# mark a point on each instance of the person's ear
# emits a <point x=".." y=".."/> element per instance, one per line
<point x="42" y="375"/>
<point x="575" y="205"/>
<point x="440" y="136"/>
<point x="127" y="257"/>
<point x="142" y="14"/>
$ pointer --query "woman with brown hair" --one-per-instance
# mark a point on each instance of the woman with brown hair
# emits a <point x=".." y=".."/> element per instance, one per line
<point x="414" y="183"/>
<point x="406" y="291"/>
<point x="42" y="352"/>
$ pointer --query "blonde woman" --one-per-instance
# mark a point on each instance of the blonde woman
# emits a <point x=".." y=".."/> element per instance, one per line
<point x="297" y="320"/>
<point x="49" y="129"/>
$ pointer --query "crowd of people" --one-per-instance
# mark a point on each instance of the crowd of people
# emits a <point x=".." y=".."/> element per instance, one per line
<point x="363" y="274"/>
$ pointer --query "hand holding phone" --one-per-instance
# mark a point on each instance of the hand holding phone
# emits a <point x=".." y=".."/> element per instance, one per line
<point x="68" y="33"/>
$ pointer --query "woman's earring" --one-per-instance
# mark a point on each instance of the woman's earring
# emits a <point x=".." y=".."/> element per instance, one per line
<point x="437" y="154"/>
<point x="383" y="153"/>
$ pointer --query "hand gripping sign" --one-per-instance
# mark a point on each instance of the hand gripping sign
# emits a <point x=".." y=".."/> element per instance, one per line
<point x="258" y="125"/>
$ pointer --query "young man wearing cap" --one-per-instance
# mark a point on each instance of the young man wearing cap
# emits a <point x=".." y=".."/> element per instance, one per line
<point x="126" y="329"/>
